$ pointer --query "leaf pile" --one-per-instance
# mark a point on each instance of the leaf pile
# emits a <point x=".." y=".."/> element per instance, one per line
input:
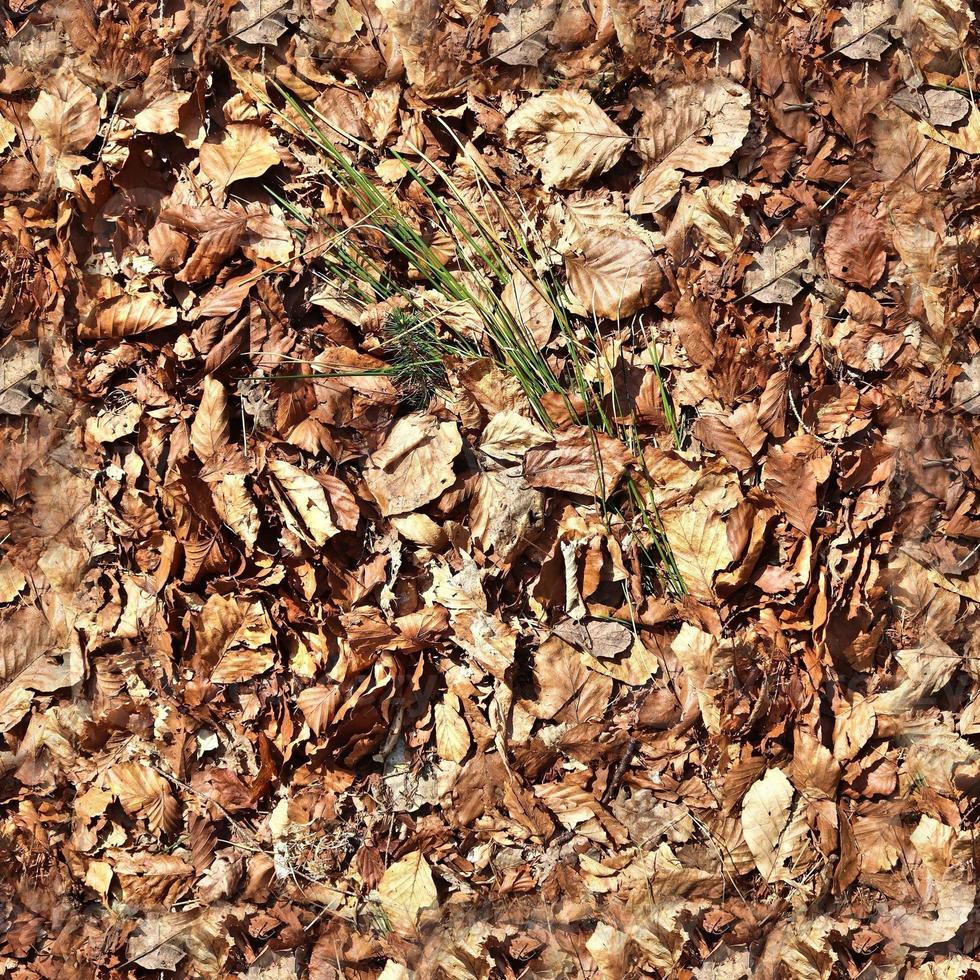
<point x="322" y="655"/>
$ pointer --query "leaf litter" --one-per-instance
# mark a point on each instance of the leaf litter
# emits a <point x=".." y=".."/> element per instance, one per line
<point x="489" y="489"/>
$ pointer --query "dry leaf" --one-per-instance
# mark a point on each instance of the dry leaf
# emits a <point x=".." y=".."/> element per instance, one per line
<point x="209" y="430"/>
<point x="405" y="891"/>
<point x="414" y="464"/>
<point x="765" y="816"/>
<point x="305" y="506"/>
<point x="688" y="128"/>
<point x="578" y="460"/>
<point x="699" y="542"/>
<point x="66" y="115"/>
<point x="243" y="150"/>
<point x="777" y="274"/>
<point x="567" y="136"/>
<point x="143" y="791"/>
<point x="855" y="248"/>
<point x="124" y="316"/>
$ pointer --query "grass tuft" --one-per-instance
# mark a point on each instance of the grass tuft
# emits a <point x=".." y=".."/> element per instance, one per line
<point x="385" y="258"/>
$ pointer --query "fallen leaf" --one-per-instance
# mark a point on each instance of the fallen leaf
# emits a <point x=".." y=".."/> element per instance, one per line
<point x="405" y="891"/>
<point x="578" y="460"/>
<point x="243" y="150"/>
<point x="305" y="506"/>
<point x="567" y="136"/>
<point x="124" y="316"/>
<point x="66" y="115"/>
<point x="855" y="248"/>
<point x="777" y="274"/>
<point x="209" y="430"/>
<point x="414" y="465"/>
<point x="689" y="128"/>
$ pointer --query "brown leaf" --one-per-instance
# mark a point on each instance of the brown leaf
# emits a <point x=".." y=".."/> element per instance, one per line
<point x="319" y="704"/>
<point x="855" y="247"/>
<point x="414" y="464"/>
<point x="243" y="150"/>
<point x="142" y="790"/>
<point x="66" y="115"/>
<point x="209" y="430"/>
<point x="578" y="460"/>
<point x="567" y="136"/>
<point x="125" y="315"/>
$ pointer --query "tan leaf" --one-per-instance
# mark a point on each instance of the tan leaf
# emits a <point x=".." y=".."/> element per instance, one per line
<point x="29" y="662"/>
<point x="66" y="115"/>
<point x="863" y="33"/>
<point x="714" y="19"/>
<point x="509" y="435"/>
<point x="233" y="639"/>
<point x="305" y="507"/>
<point x="143" y="791"/>
<point x="521" y="38"/>
<point x="855" y="248"/>
<point x="529" y="308"/>
<point x="567" y="136"/>
<point x="903" y="155"/>
<point x="236" y="508"/>
<point x="319" y="704"/>
<point x="244" y="150"/>
<point x="698" y="540"/>
<point x="414" y="464"/>
<point x="405" y="891"/>
<point x="691" y="127"/>
<point x="125" y="315"/>
<point x="578" y="460"/>
<point x="776" y="276"/>
<point x="209" y="430"/>
<point x="452" y="735"/>
<point x="765" y="815"/>
<point x="611" y="263"/>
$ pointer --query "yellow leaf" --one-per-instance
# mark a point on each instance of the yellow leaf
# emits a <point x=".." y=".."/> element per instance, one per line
<point x="406" y="890"/>
<point x="305" y="496"/>
<point x="699" y="541"/>
<point x="452" y="735"/>
<point x="765" y="812"/>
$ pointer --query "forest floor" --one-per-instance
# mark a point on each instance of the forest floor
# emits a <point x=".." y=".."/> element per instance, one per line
<point x="489" y="489"/>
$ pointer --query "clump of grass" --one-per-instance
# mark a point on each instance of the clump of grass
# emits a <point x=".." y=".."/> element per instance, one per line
<point x="362" y="266"/>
